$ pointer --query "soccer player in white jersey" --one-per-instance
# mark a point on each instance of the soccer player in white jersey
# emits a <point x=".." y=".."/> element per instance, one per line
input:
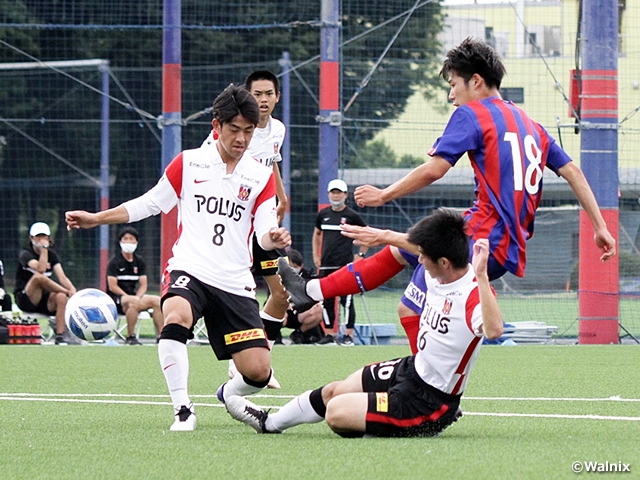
<point x="265" y="147"/>
<point x="417" y="395"/>
<point x="223" y="196"/>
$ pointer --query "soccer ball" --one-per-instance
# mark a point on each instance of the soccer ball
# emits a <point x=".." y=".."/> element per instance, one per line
<point x="91" y="314"/>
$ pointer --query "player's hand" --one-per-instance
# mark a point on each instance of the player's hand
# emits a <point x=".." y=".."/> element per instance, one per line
<point x="80" y="219"/>
<point x="280" y="237"/>
<point x="480" y="256"/>
<point x="364" y="236"/>
<point x="368" y="196"/>
<point x="606" y="243"/>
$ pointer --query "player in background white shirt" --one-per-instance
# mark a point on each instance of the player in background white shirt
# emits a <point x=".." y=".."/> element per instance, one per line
<point x="265" y="147"/>
<point x="223" y="196"/>
<point x="417" y="395"/>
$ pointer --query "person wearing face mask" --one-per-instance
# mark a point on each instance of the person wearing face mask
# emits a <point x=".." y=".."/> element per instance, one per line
<point x="35" y="291"/>
<point x="127" y="285"/>
<point x="332" y="250"/>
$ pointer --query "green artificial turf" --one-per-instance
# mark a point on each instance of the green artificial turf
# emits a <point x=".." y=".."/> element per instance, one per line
<point x="104" y="412"/>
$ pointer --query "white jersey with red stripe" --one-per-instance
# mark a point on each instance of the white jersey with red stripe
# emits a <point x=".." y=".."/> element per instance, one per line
<point x="450" y="333"/>
<point x="266" y="142"/>
<point x="217" y="214"/>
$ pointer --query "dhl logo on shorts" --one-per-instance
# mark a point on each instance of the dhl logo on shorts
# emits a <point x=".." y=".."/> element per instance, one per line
<point x="382" y="402"/>
<point x="243" y="336"/>
<point x="268" y="264"/>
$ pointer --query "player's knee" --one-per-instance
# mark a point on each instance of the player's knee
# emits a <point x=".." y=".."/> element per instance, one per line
<point x="258" y="372"/>
<point x="329" y="391"/>
<point x="336" y="417"/>
<point x="61" y="299"/>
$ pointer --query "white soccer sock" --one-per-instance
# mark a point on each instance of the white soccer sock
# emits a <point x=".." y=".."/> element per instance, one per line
<point x="174" y="361"/>
<point x="314" y="290"/>
<point x="237" y="386"/>
<point x="296" y="412"/>
<point x="265" y="316"/>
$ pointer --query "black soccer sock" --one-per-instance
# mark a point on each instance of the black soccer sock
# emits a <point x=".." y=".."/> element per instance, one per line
<point x="315" y="398"/>
<point x="174" y="331"/>
<point x="272" y="329"/>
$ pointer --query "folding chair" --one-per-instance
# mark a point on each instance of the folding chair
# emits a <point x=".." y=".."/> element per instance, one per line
<point x="122" y="324"/>
<point x="200" y="332"/>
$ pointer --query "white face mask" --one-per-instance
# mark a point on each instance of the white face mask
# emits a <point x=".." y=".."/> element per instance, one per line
<point x="296" y="269"/>
<point x="128" y="247"/>
<point x="337" y="203"/>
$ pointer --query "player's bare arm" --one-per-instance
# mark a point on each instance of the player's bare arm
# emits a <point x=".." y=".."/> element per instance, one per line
<point x="578" y="183"/>
<point x="372" y="237"/>
<point x="418" y="178"/>
<point x="316" y="241"/>
<point x="63" y="279"/>
<point x="492" y="324"/>
<point x="281" y="209"/>
<point x="82" y="219"/>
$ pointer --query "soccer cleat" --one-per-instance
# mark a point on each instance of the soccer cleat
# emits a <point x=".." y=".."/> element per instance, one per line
<point x="185" y="419"/>
<point x="60" y="339"/>
<point x="327" y="340"/>
<point x="132" y="340"/>
<point x="296" y="287"/>
<point x="220" y="392"/>
<point x="297" y="337"/>
<point x="232" y="369"/>
<point x="273" y="382"/>
<point x="248" y="413"/>
<point x="346" y="340"/>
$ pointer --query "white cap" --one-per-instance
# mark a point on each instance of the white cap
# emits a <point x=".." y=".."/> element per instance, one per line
<point x="39" y="228"/>
<point x="337" y="184"/>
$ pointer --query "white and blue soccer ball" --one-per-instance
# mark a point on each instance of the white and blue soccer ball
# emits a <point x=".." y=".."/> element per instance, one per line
<point x="91" y="314"/>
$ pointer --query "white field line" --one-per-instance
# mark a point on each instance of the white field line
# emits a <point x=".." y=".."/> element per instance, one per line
<point x="613" y="398"/>
<point x="110" y="398"/>
<point x="552" y="415"/>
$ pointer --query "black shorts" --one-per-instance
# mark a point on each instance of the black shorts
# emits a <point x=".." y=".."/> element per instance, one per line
<point x="117" y="299"/>
<point x="233" y="322"/>
<point x="23" y="302"/>
<point x="265" y="262"/>
<point x="401" y="404"/>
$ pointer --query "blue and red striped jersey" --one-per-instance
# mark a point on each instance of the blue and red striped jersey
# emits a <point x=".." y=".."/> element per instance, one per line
<point x="508" y="152"/>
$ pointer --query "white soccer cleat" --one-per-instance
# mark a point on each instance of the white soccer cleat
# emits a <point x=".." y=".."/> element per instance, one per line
<point x="246" y="412"/>
<point x="232" y="369"/>
<point x="185" y="419"/>
<point x="273" y="382"/>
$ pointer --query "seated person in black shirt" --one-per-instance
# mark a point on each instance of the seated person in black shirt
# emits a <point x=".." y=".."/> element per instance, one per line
<point x="35" y="291"/>
<point x="305" y="325"/>
<point x="127" y="285"/>
<point x="5" y="298"/>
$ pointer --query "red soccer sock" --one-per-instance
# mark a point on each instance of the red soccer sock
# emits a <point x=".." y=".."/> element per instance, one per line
<point x="411" y="325"/>
<point x="361" y="276"/>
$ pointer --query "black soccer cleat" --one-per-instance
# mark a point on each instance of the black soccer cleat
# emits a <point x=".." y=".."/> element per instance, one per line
<point x="296" y="287"/>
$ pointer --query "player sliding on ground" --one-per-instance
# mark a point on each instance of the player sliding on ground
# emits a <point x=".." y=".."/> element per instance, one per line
<point x="416" y="395"/>
<point x="508" y="152"/>
<point x="223" y="196"/>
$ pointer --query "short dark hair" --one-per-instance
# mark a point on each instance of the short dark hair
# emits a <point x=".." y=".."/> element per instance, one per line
<point x="234" y="101"/>
<point x="442" y="235"/>
<point x="295" y="257"/>
<point x="474" y="56"/>
<point x="129" y="230"/>
<point x="261" y="75"/>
